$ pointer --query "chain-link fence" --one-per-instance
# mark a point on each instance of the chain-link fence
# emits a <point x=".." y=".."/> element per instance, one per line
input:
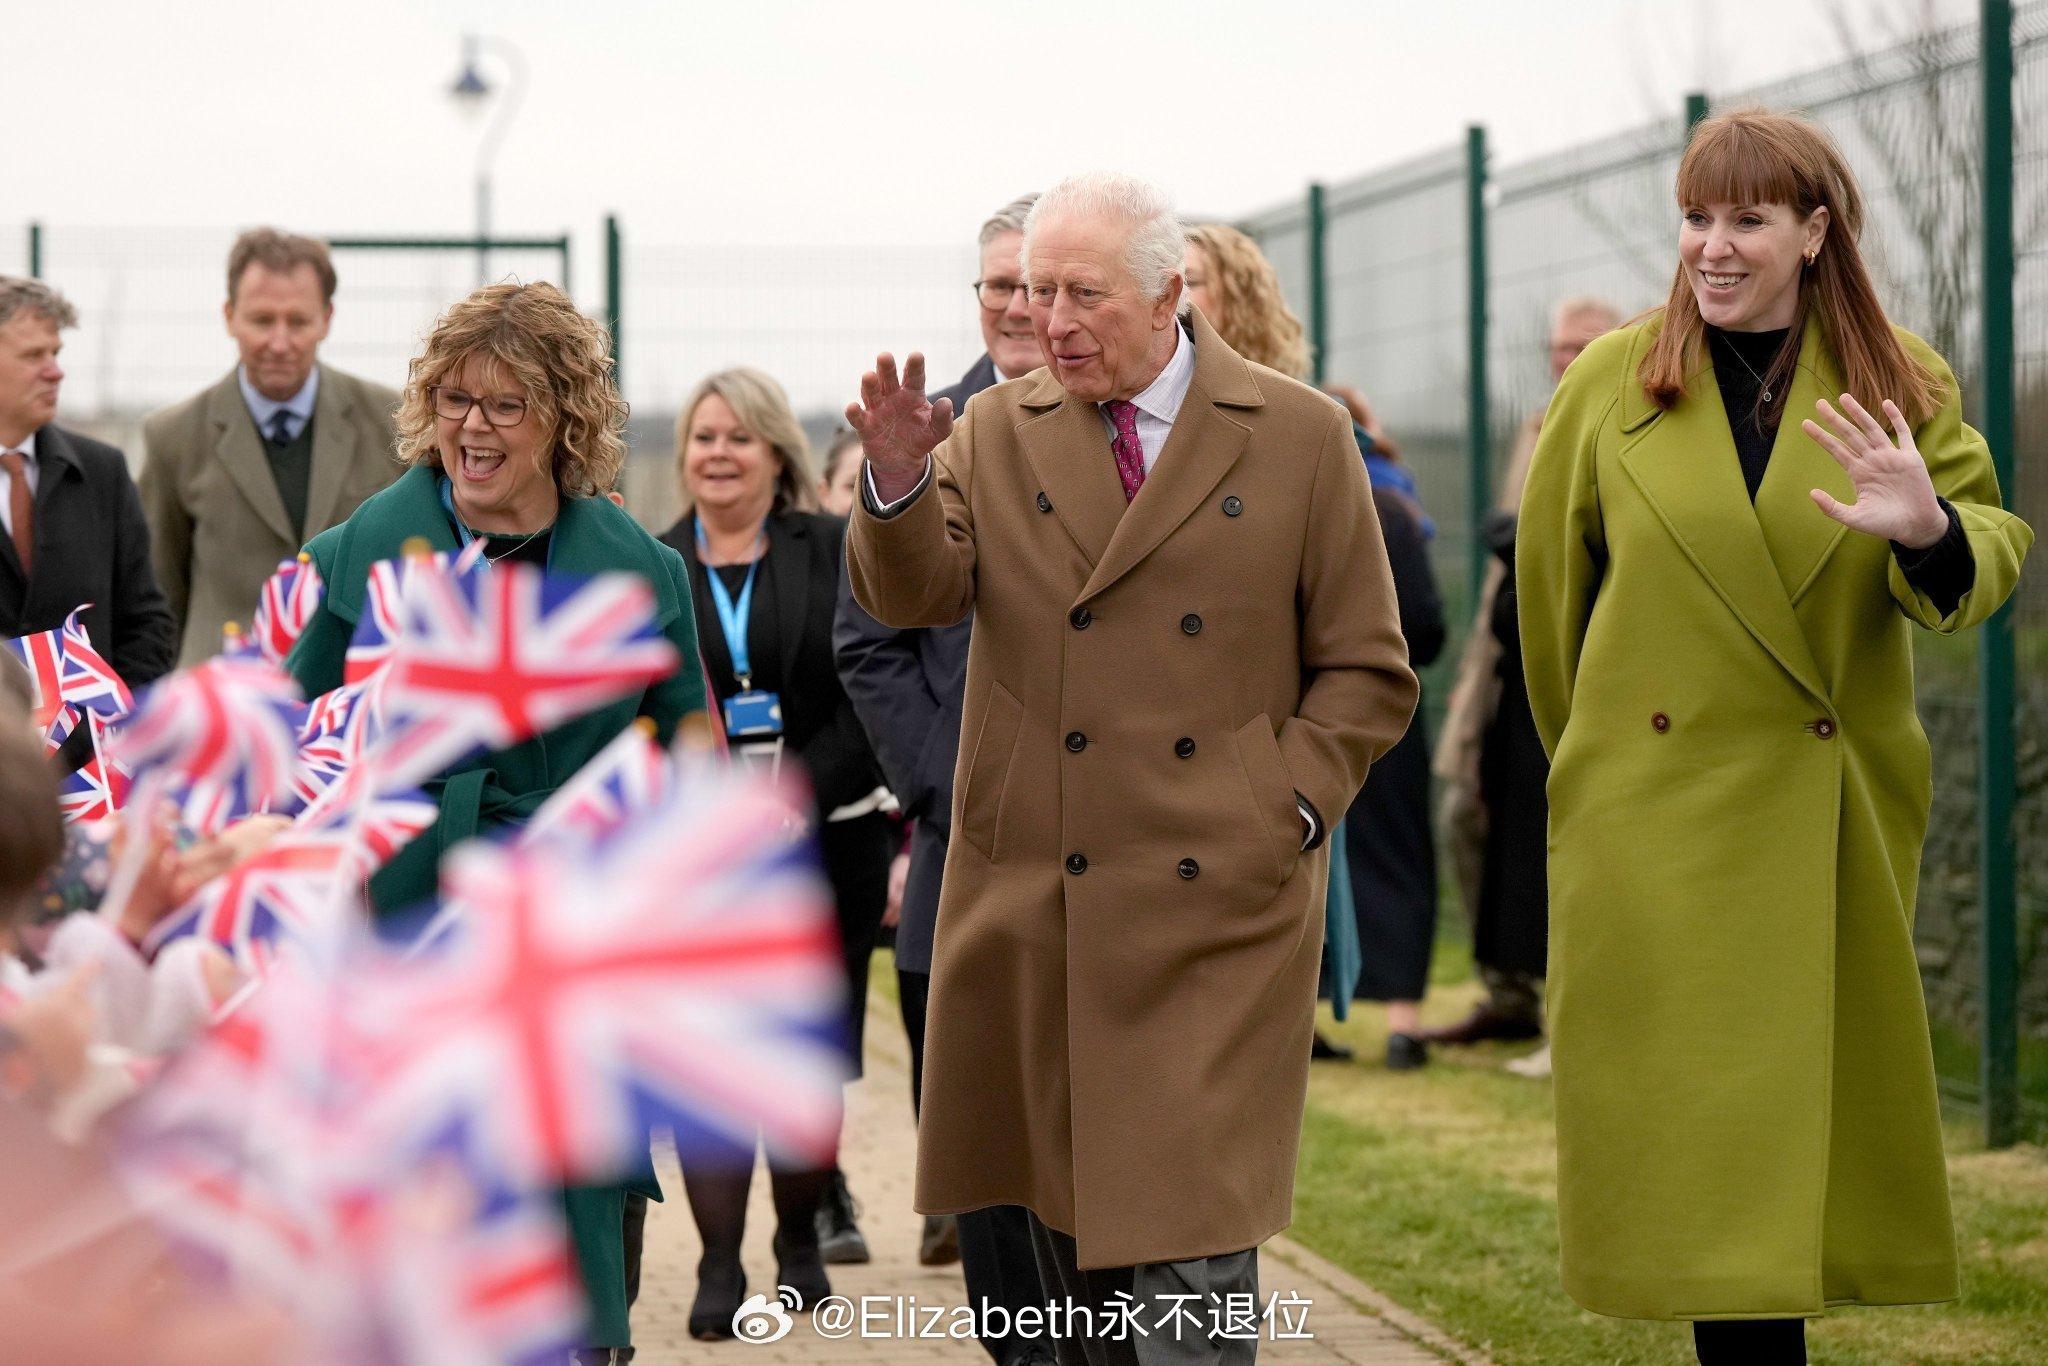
<point x="1599" y="220"/>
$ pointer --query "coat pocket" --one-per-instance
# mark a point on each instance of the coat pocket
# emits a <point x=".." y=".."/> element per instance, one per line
<point x="988" y="769"/>
<point x="1272" y="792"/>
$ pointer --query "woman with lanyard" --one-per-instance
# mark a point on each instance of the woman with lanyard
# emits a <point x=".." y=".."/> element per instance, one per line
<point x="512" y="426"/>
<point x="765" y="569"/>
<point x="1738" y="510"/>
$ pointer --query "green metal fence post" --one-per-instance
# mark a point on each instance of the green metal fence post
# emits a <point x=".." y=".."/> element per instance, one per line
<point x="35" y="251"/>
<point x="614" y="292"/>
<point x="1478" y="446"/>
<point x="1318" y="286"/>
<point x="1996" y="777"/>
<point x="1695" y="111"/>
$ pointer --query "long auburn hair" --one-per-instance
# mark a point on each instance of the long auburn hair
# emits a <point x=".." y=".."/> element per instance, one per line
<point x="1757" y="156"/>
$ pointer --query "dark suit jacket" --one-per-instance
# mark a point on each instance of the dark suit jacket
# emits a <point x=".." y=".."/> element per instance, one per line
<point x="91" y="546"/>
<point x="818" y="723"/>
<point x="907" y="687"/>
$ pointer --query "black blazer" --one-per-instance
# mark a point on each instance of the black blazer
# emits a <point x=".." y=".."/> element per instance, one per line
<point x="91" y="546"/>
<point x="908" y="688"/>
<point x="819" y="727"/>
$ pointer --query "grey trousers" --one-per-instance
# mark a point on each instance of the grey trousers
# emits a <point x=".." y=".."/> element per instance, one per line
<point x="1179" y="1305"/>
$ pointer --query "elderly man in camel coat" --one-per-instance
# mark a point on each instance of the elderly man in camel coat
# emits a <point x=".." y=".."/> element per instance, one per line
<point x="1186" y="653"/>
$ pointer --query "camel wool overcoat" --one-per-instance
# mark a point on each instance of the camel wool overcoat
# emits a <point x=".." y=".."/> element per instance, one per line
<point x="1746" y="1114"/>
<point x="1124" y="972"/>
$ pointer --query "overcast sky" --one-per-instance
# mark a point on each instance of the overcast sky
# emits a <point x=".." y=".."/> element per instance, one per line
<point x="773" y="124"/>
<point x="816" y="120"/>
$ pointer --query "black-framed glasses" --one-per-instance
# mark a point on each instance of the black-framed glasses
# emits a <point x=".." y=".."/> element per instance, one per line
<point x="500" y="410"/>
<point x="995" y="294"/>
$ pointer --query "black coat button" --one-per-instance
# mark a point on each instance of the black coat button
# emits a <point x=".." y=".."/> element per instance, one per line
<point x="1044" y="503"/>
<point x="1232" y="505"/>
<point x="1191" y="624"/>
<point x="1660" y="723"/>
<point x="1824" y="728"/>
<point x="1080" y="617"/>
<point x="1184" y="747"/>
<point x="1076" y="741"/>
<point x="1077" y="863"/>
<point x="1188" y="868"/>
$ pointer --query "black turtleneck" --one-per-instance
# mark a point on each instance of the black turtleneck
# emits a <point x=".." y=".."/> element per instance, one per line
<point x="1943" y="571"/>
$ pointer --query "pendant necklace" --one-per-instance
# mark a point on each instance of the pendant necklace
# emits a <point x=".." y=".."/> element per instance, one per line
<point x="1736" y="352"/>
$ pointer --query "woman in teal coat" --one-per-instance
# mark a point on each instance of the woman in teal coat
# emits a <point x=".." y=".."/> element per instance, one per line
<point x="511" y="423"/>
<point x="1739" y="509"/>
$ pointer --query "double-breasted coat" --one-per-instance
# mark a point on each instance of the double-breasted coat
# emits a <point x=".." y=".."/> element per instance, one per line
<point x="1124" y="974"/>
<point x="1746" y="1111"/>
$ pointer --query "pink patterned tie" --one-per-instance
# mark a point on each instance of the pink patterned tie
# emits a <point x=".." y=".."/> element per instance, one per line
<point x="1129" y="451"/>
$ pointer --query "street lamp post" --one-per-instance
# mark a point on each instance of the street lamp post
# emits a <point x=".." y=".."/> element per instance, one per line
<point x="471" y="92"/>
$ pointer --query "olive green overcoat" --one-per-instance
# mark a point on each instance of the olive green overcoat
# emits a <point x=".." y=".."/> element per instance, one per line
<point x="1746" y="1112"/>
<point x="591" y="536"/>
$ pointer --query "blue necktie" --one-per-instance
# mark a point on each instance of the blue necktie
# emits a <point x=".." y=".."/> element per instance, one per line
<point x="281" y="427"/>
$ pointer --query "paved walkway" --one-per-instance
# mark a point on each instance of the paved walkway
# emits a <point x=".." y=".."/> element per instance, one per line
<point x="1347" y="1321"/>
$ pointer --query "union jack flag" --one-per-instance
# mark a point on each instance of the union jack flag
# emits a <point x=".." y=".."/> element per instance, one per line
<point x="100" y="787"/>
<point x="290" y="597"/>
<point x="86" y="680"/>
<point x="684" y="974"/>
<point x="627" y="777"/>
<point x="508" y="655"/>
<point x="383" y="619"/>
<point x="223" y="733"/>
<point x="290" y="890"/>
<point x="42" y="654"/>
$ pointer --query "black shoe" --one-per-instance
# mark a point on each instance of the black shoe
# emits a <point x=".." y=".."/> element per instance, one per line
<point x="1482" y="1024"/>
<point x="1322" y="1050"/>
<point x="799" y="1266"/>
<point x="839" y="1237"/>
<point x="721" y="1289"/>
<point x="1405" y="1053"/>
<point x="940" y="1245"/>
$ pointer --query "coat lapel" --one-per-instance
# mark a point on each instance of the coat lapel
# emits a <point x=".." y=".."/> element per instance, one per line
<point x="1801" y="537"/>
<point x="789" y="572"/>
<point x="334" y="452"/>
<point x="1684" y="462"/>
<point x="1068" y="448"/>
<point x="1204" y="444"/>
<point x="240" y="452"/>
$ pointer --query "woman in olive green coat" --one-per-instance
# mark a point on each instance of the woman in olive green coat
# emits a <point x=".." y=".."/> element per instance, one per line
<point x="1716" y="601"/>
<point x="511" y="424"/>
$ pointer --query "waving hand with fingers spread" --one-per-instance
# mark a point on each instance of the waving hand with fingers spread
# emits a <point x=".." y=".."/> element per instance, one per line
<point x="899" y="428"/>
<point x="1895" y="496"/>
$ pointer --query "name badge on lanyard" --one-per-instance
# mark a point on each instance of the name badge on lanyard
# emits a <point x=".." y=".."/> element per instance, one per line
<point x="753" y="716"/>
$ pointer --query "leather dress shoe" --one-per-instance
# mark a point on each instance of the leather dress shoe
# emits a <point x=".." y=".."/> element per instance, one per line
<point x="1482" y="1024"/>
<point x="1322" y="1050"/>
<point x="940" y="1245"/>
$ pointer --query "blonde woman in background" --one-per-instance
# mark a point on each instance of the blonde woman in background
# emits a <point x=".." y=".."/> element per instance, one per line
<point x="764" y="569"/>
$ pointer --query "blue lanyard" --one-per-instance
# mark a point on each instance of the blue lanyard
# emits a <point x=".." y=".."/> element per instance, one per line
<point x="733" y="616"/>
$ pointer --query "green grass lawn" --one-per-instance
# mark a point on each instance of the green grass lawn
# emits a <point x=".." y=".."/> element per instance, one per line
<point x="1437" y="1188"/>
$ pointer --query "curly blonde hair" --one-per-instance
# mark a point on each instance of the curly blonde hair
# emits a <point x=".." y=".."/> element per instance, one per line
<point x="535" y="336"/>
<point x="1257" y="323"/>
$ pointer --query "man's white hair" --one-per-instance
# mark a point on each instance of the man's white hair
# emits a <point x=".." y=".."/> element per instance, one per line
<point x="1157" y="244"/>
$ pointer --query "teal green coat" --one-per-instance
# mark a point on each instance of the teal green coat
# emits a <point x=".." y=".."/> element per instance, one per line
<point x="592" y="536"/>
<point x="1746" y="1115"/>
